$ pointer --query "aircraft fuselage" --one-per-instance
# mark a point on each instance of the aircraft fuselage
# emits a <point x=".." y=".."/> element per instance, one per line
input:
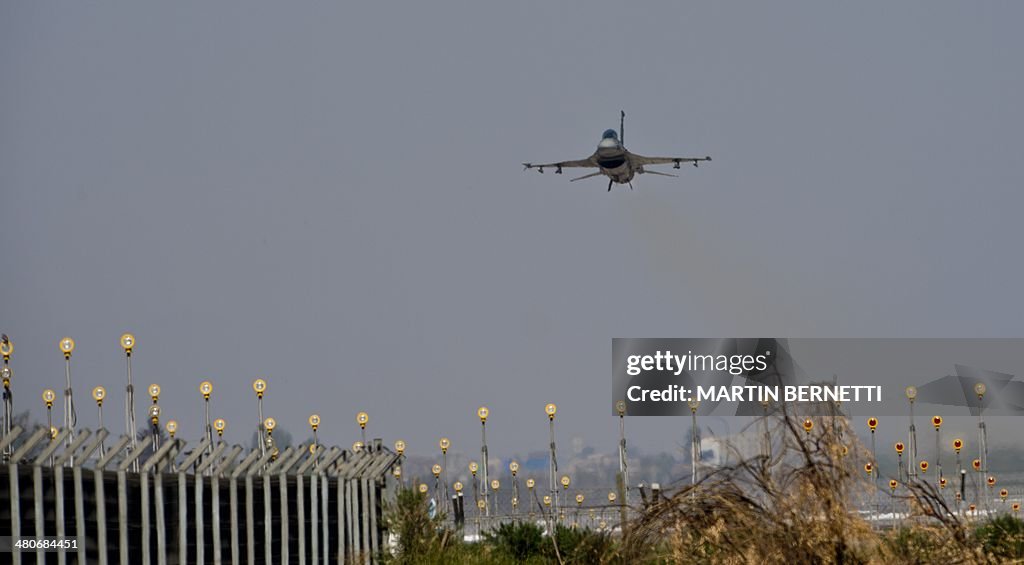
<point x="613" y="160"/>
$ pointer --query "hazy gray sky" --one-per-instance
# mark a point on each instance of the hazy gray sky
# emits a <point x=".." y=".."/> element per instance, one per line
<point x="330" y="196"/>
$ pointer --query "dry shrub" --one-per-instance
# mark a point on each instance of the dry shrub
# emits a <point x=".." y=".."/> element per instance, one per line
<point x="798" y="505"/>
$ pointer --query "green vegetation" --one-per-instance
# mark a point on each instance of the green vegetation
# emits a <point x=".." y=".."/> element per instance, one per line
<point x="420" y="538"/>
<point x="519" y="542"/>
<point x="1003" y="538"/>
<point x="525" y="542"/>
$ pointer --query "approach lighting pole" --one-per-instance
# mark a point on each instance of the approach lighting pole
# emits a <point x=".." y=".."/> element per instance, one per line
<point x="550" y="409"/>
<point x="958" y="444"/>
<point x="206" y="389"/>
<point x="980" y="389"/>
<point x="911" y="392"/>
<point x="154" y="415"/>
<point x="495" y="485"/>
<point x="400" y="450"/>
<point x="268" y="425"/>
<point x="260" y="387"/>
<point x="444" y="444"/>
<point x="6" y="373"/>
<point x="937" y="422"/>
<point x="483" y="412"/>
<point x="623" y="479"/>
<point x="362" y="419"/>
<point x="695" y="454"/>
<point x="513" y="468"/>
<point x="172" y="428"/>
<point x="98" y="394"/>
<point x="67" y="346"/>
<point x="314" y="422"/>
<point x="154" y="419"/>
<point x="872" y="425"/>
<point x="436" y="470"/>
<point x="564" y="481"/>
<point x="899" y="446"/>
<point x="473" y="468"/>
<point x="48" y="397"/>
<point x="128" y="344"/>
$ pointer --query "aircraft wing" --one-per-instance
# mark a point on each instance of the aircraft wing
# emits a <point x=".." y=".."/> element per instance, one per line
<point x="675" y="161"/>
<point x="588" y="162"/>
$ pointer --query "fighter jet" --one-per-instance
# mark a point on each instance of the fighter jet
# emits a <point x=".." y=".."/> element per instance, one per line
<point x="616" y="162"/>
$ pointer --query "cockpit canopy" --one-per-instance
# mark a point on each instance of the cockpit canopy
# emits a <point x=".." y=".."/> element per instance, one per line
<point x="609" y="134"/>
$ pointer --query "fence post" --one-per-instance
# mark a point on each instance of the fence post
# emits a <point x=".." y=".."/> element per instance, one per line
<point x="101" y="507"/>
<point x="237" y="472"/>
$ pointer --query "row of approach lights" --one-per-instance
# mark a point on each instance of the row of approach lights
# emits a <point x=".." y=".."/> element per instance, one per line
<point x="958" y="444"/>
<point x="483" y="412"/>
<point x="1003" y="493"/>
<point x="99" y="393"/>
<point x="127" y="341"/>
<point x="911" y="393"/>
<point x="565" y="481"/>
<point x="67" y="346"/>
<point x="979" y="389"/>
<point x="362" y="418"/>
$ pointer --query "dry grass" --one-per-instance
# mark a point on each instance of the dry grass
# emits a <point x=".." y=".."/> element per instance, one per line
<point x="800" y="505"/>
